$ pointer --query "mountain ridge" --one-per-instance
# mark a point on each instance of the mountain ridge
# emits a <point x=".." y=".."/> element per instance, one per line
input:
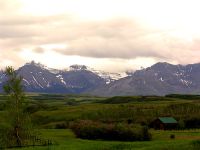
<point x="159" y="79"/>
<point x="75" y="79"/>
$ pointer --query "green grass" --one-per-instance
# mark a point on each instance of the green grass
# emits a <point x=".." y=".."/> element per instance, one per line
<point x="137" y="112"/>
<point x="65" y="139"/>
<point x="55" y="109"/>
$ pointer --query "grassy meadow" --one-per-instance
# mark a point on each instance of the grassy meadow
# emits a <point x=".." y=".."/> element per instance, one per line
<point x="53" y="116"/>
<point x="65" y="139"/>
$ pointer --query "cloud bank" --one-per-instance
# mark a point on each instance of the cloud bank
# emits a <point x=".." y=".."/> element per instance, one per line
<point x="112" y="39"/>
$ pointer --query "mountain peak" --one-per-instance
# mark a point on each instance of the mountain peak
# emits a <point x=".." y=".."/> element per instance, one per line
<point x="159" y="79"/>
<point x="33" y="63"/>
<point x="78" y="67"/>
<point x="162" y="65"/>
<point x="43" y="67"/>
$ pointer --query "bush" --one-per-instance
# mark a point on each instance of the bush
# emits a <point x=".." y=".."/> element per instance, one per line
<point x="121" y="132"/>
<point x="56" y="125"/>
<point x="61" y="125"/>
<point x="2" y="106"/>
<point x="181" y="124"/>
<point x="196" y="144"/>
<point x="172" y="136"/>
<point x="71" y="102"/>
<point x="192" y="123"/>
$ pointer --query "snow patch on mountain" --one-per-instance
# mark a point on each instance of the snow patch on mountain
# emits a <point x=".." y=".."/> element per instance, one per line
<point x="107" y="76"/>
<point x="37" y="82"/>
<point x="26" y="82"/>
<point x="61" y="79"/>
<point x="185" y="82"/>
<point x="178" y="74"/>
<point x="161" y="79"/>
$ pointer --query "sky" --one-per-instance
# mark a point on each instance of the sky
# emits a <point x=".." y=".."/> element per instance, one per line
<point x="109" y="35"/>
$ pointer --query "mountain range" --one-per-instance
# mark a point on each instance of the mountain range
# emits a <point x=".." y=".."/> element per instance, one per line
<point x="159" y="79"/>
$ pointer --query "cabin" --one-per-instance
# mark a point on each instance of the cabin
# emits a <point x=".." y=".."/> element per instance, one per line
<point x="164" y="123"/>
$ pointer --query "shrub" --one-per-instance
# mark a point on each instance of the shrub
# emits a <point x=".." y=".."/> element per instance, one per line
<point x="145" y="134"/>
<point x="56" y="125"/>
<point x="192" y="123"/>
<point x="61" y="125"/>
<point x="71" y="103"/>
<point x="172" y="136"/>
<point x="121" y="132"/>
<point x="196" y="144"/>
<point x="181" y="124"/>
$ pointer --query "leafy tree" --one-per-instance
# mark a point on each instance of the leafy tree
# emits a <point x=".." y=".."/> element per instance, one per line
<point x="16" y="129"/>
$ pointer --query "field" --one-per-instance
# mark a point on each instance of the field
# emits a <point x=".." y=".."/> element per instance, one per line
<point x="161" y="141"/>
<point x="53" y="115"/>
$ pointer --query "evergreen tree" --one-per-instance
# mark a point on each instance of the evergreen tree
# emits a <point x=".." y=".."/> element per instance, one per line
<point x="17" y="127"/>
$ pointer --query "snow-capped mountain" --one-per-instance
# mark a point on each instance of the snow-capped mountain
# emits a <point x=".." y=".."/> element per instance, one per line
<point x="159" y="79"/>
<point x="52" y="70"/>
<point x="39" y="78"/>
<point x="75" y="79"/>
<point x="107" y="76"/>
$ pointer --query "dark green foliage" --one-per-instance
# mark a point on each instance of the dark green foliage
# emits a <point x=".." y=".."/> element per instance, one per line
<point x="188" y="114"/>
<point x="71" y="102"/>
<point x="196" y="144"/>
<point x="146" y="136"/>
<point x="181" y="124"/>
<point x="61" y="125"/>
<point x="143" y="113"/>
<point x="48" y="97"/>
<point x="192" y="123"/>
<point x="38" y="106"/>
<point x="34" y="108"/>
<point x="121" y="132"/>
<point x="181" y="96"/>
<point x="121" y="99"/>
<point x="129" y="99"/>
<point x="172" y="136"/>
<point x="2" y="106"/>
<point x="47" y="113"/>
<point x="118" y="147"/>
<point x="16" y="129"/>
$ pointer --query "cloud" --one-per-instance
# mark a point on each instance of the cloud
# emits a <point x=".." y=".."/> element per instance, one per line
<point x="8" y="6"/>
<point x="123" y="38"/>
<point x="39" y="50"/>
<point x="116" y="38"/>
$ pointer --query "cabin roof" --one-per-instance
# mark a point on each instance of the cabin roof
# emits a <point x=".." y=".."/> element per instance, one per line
<point x="167" y="120"/>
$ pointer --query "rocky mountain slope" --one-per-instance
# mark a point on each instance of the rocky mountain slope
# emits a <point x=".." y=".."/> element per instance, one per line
<point x="159" y="79"/>
<point x="75" y="79"/>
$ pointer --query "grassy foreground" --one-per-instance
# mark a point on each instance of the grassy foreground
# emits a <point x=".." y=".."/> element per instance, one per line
<point x="53" y="115"/>
<point x="65" y="139"/>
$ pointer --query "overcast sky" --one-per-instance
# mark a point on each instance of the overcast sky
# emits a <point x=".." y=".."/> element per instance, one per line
<point x="110" y="35"/>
